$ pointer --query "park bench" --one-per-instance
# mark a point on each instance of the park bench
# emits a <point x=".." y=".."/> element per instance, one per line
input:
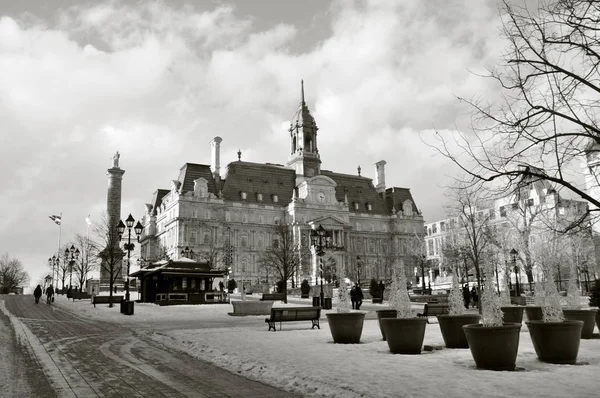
<point x="106" y="300"/>
<point x="80" y="295"/>
<point x="293" y="314"/>
<point x="433" y="309"/>
<point x="273" y="296"/>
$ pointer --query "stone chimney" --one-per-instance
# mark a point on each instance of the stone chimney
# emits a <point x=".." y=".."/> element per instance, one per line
<point x="215" y="157"/>
<point x="380" y="176"/>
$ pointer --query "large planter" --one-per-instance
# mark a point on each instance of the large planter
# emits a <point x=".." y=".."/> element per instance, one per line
<point x="251" y="307"/>
<point x="598" y="320"/>
<point x="512" y="314"/>
<point x="534" y="313"/>
<point x="346" y="327"/>
<point x="387" y="313"/>
<point x="588" y="316"/>
<point x="404" y="335"/>
<point x="452" y="331"/>
<point x="494" y="347"/>
<point x="556" y="342"/>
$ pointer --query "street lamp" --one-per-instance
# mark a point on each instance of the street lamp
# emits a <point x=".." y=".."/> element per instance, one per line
<point x="187" y="252"/>
<point x="74" y="253"/>
<point x="320" y="238"/>
<point x="53" y="262"/>
<point x="129" y="246"/>
<point x="358" y="267"/>
<point x="513" y="260"/>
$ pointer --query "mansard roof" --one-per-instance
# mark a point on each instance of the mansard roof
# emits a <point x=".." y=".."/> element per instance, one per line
<point x="157" y="198"/>
<point x="259" y="178"/>
<point x="395" y="197"/>
<point x="192" y="171"/>
<point x="359" y="190"/>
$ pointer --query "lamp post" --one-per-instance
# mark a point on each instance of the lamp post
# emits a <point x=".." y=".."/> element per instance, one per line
<point x="74" y="253"/>
<point x="513" y="260"/>
<point x="187" y="253"/>
<point x="320" y="240"/>
<point x="53" y="262"/>
<point x="129" y="246"/>
<point x="358" y="267"/>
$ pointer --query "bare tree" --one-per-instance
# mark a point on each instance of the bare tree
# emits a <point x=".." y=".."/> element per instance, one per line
<point x="417" y="253"/>
<point x="283" y="258"/>
<point x="111" y="255"/>
<point x="88" y="259"/>
<point x="12" y="274"/>
<point x="545" y="119"/>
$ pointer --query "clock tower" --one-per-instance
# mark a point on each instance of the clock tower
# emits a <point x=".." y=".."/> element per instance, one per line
<point x="304" y="153"/>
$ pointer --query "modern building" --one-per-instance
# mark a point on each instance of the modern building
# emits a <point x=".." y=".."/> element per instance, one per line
<point x="229" y="217"/>
<point x="535" y="205"/>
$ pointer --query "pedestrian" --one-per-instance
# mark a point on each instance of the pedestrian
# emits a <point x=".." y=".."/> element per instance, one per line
<point x="353" y="298"/>
<point x="37" y="293"/>
<point x="466" y="295"/>
<point x="221" y="286"/>
<point x="49" y="294"/>
<point x="474" y="296"/>
<point x="381" y="289"/>
<point x="359" y="297"/>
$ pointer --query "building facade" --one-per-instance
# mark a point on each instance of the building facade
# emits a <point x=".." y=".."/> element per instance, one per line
<point x="231" y="219"/>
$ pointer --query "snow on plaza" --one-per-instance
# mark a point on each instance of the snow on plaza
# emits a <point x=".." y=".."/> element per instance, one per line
<point x="307" y="361"/>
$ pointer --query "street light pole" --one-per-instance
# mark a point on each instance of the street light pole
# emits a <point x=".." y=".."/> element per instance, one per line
<point x="358" y="267"/>
<point x="74" y="257"/>
<point x="320" y="239"/>
<point x="513" y="259"/>
<point x="129" y="246"/>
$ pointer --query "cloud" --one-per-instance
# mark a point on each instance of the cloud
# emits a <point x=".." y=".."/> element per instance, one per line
<point x="158" y="82"/>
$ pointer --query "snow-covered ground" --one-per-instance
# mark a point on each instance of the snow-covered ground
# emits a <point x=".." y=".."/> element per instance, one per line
<point x="307" y="361"/>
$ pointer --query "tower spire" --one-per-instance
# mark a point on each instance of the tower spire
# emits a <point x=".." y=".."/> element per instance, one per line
<point x="302" y="91"/>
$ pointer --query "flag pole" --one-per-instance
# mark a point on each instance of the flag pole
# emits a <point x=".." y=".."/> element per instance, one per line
<point x="58" y="253"/>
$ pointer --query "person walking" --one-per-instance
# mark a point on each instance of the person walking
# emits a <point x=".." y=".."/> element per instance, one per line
<point x="474" y="296"/>
<point x="353" y="298"/>
<point x="49" y="294"/>
<point x="359" y="297"/>
<point x="381" y="289"/>
<point x="37" y="293"/>
<point x="466" y="295"/>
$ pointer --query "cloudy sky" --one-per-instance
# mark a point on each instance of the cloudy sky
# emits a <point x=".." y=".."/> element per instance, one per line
<point x="158" y="80"/>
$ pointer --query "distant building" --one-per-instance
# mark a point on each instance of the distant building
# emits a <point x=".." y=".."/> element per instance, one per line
<point x="232" y="219"/>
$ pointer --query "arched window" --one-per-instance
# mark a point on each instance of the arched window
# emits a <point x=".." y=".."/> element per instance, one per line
<point x="260" y="240"/>
<point x="192" y="238"/>
<point x="407" y="208"/>
<point x="206" y="238"/>
<point x="244" y="239"/>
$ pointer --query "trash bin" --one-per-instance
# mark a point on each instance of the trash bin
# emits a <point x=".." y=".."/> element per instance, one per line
<point x="316" y="300"/>
<point x="327" y="303"/>
<point x="127" y="307"/>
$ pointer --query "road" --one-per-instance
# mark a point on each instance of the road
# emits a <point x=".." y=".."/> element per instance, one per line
<point x="68" y="356"/>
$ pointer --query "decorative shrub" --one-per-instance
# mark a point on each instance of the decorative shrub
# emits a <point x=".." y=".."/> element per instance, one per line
<point x="551" y="309"/>
<point x="399" y="299"/>
<point x="374" y="289"/>
<point x="231" y="285"/>
<point x="343" y="295"/>
<point x="305" y="287"/>
<point x="595" y="294"/>
<point x="573" y="294"/>
<point x="280" y="286"/>
<point x="491" y="311"/>
<point x="456" y="302"/>
<point x="504" y="294"/>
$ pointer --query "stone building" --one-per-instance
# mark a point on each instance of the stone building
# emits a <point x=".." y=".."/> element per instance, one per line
<point x="232" y="219"/>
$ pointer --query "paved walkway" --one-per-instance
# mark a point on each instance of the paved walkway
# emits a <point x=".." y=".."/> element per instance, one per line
<point x="85" y="358"/>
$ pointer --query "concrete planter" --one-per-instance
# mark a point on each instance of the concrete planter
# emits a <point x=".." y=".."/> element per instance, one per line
<point x="404" y="335"/>
<point x="387" y="313"/>
<point x="452" y="331"/>
<point x="494" y="347"/>
<point x="556" y="342"/>
<point x="534" y="313"/>
<point x="588" y="316"/>
<point x="241" y="308"/>
<point x="346" y="327"/>
<point x="512" y="314"/>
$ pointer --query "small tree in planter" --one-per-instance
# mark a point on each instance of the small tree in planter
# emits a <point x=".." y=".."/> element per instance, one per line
<point x="574" y="310"/>
<point x="231" y="285"/>
<point x="493" y="344"/>
<point x="451" y="324"/>
<point x="345" y="325"/>
<point x="512" y="313"/>
<point x="305" y="288"/>
<point x="405" y="333"/>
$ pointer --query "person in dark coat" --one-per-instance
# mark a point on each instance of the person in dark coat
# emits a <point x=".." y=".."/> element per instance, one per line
<point x="474" y="296"/>
<point x="37" y="293"/>
<point x="353" y="298"/>
<point x="466" y="296"/>
<point x="381" y="288"/>
<point x="49" y="294"/>
<point x="358" y="294"/>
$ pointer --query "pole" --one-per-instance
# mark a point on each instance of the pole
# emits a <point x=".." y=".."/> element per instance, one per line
<point x="128" y="256"/>
<point x="57" y="253"/>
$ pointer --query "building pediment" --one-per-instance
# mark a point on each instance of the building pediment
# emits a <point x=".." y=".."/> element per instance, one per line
<point x="328" y="222"/>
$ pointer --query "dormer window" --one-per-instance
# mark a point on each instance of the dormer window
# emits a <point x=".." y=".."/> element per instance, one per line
<point x="355" y="205"/>
<point x="369" y="208"/>
<point x="259" y="197"/>
<point x="275" y="198"/>
<point x="243" y="195"/>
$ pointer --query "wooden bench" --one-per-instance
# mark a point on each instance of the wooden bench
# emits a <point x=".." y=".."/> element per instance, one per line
<point x="433" y="309"/>
<point x="273" y="296"/>
<point x="293" y="314"/>
<point x="106" y="300"/>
